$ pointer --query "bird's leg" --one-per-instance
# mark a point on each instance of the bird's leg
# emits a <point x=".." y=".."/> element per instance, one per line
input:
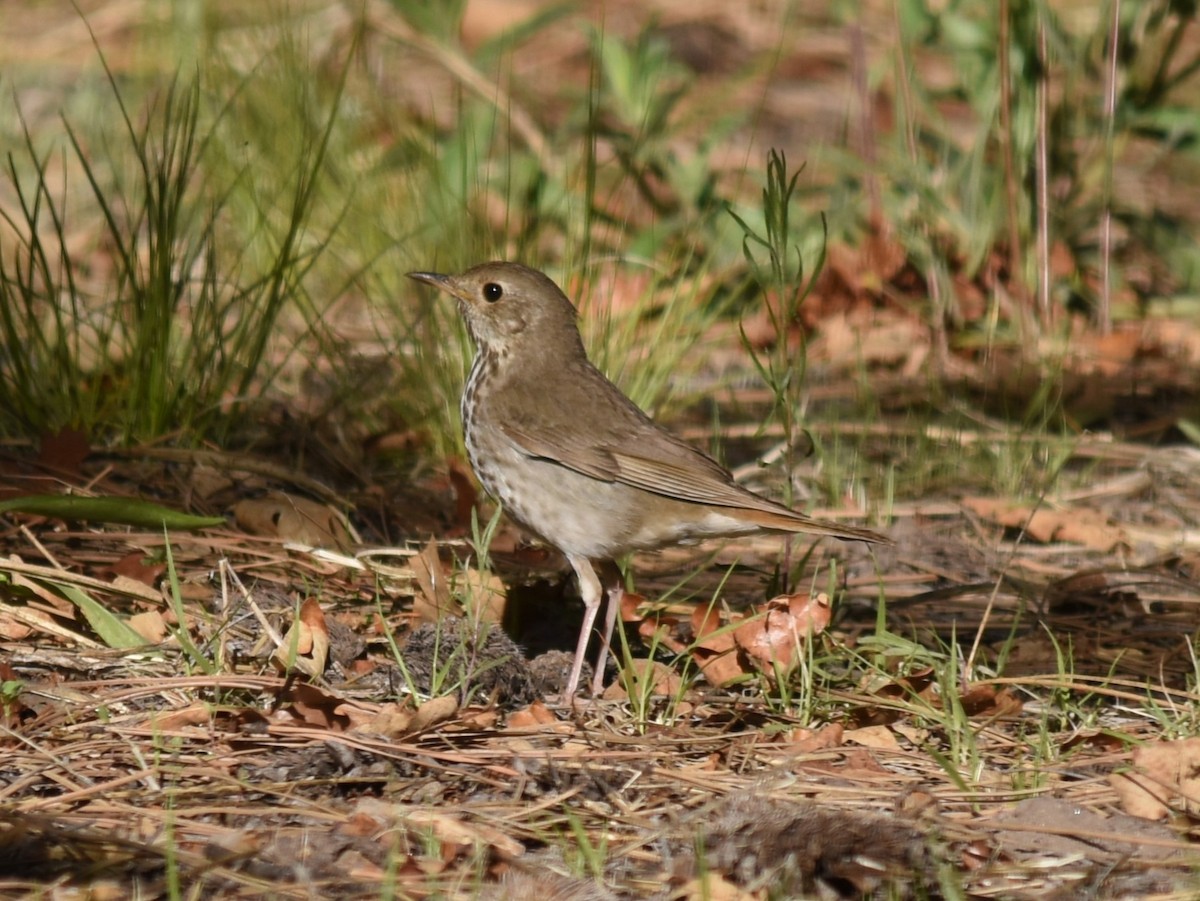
<point x="616" y="589"/>
<point x="589" y="590"/>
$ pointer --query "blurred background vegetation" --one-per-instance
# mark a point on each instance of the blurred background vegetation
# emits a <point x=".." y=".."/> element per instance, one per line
<point x="208" y="208"/>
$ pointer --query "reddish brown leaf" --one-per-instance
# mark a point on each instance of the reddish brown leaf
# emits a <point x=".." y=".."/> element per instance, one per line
<point x="134" y="566"/>
<point x="706" y="625"/>
<point x="773" y="637"/>
<point x="719" y="669"/>
<point x="985" y="700"/>
<point x="535" y="716"/>
<point x="314" y="706"/>
<point x="630" y="604"/>
<point x="64" y="451"/>
<point x="1091" y="528"/>
<point x="173" y="720"/>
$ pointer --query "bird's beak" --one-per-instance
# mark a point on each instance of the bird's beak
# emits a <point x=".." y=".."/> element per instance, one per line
<point x="446" y="283"/>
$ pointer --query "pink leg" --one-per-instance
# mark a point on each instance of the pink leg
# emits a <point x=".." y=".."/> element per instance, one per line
<point x="589" y="590"/>
<point x="615" y="593"/>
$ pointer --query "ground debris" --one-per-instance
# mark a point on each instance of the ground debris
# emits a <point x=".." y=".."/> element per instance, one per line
<point x="801" y="847"/>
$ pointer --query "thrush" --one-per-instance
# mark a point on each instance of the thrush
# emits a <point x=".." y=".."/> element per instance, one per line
<point x="575" y="461"/>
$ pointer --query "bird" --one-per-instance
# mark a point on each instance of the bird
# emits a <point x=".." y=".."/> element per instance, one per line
<point x="573" y="460"/>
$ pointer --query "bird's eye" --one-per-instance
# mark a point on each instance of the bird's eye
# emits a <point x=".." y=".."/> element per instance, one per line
<point x="492" y="292"/>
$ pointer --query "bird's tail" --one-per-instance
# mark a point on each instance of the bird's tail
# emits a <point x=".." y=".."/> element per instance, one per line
<point x="789" y="521"/>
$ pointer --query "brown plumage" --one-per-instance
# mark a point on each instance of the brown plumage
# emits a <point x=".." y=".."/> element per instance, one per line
<point x="573" y="459"/>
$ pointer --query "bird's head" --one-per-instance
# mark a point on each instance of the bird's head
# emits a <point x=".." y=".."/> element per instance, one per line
<point x="510" y="308"/>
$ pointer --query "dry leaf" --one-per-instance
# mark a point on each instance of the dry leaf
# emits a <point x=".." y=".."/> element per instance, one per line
<point x="12" y="629"/>
<point x="453" y="832"/>
<point x="720" y="669"/>
<point x="1165" y="777"/>
<point x="630" y="602"/>
<point x="1111" y="354"/>
<point x="360" y="870"/>
<point x="133" y="568"/>
<point x="879" y="738"/>
<point x="432" y="601"/>
<point x="291" y="518"/>
<point x="1089" y="528"/>
<point x="633" y="679"/>
<point x="64" y="451"/>
<point x="535" y="716"/>
<point x="806" y="741"/>
<point x="772" y="638"/>
<point x="359" y="825"/>
<point x="207" y="481"/>
<point x="706" y="627"/>
<point x="389" y="720"/>
<point x="150" y="625"/>
<point x="306" y="646"/>
<point x="466" y="497"/>
<point x="661" y="629"/>
<point x="986" y="700"/>
<point x="480" y="718"/>
<point x="713" y="887"/>
<point x="486" y="593"/>
<point x="312" y="705"/>
<point x="174" y="720"/>
<point x="434" y="711"/>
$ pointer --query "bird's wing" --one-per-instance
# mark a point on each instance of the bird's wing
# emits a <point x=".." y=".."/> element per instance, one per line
<point x="695" y="478"/>
<point x="614" y="441"/>
<point x="608" y="438"/>
<point x="700" y="481"/>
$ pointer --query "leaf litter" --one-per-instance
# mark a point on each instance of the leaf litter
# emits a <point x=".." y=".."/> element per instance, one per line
<point x="451" y="775"/>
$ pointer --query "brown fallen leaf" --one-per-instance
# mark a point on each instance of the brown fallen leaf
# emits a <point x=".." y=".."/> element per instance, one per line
<point x="293" y="518"/>
<point x="721" y="668"/>
<point x="773" y="637"/>
<point x="634" y="679"/>
<point x="466" y="496"/>
<point x="311" y="705"/>
<point x="806" y="741"/>
<point x="174" y="720"/>
<point x="533" y="717"/>
<point x="432" y="601"/>
<point x="12" y="629"/>
<point x="133" y="567"/>
<point x="879" y="738"/>
<point x="709" y="631"/>
<point x="64" y="451"/>
<point x="630" y="602"/>
<point x="462" y="835"/>
<point x="1165" y="777"/>
<point x="487" y="596"/>
<point x="713" y="887"/>
<point x="150" y="625"/>
<point x="305" y="648"/>
<point x="434" y="711"/>
<point x="389" y="720"/>
<point x="1089" y="528"/>
<point x="1108" y="354"/>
